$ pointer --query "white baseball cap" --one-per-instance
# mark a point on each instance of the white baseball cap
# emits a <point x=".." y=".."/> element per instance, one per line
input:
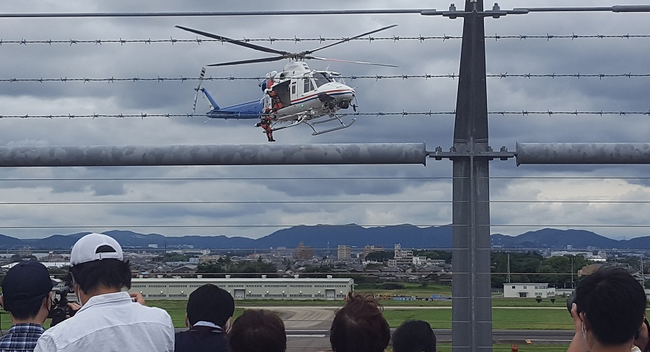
<point x="95" y="246"/>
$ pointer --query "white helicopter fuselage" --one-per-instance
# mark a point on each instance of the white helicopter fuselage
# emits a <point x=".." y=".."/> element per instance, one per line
<point x="309" y="94"/>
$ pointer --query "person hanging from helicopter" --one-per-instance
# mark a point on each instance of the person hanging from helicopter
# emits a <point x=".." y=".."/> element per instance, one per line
<point x="265" y="123"/>
<point x="266" y="119"/>
<point x="276" y="103"/>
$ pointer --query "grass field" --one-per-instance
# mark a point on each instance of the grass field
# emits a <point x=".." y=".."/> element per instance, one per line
<point x="528" y="315"/>
<point x="502" y="318"/>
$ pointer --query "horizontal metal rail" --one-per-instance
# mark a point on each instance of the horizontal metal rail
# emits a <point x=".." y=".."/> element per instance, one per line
<point x="267" y="154"/>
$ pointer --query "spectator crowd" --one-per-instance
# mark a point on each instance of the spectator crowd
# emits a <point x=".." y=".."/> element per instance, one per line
<point x="608" y="311"/>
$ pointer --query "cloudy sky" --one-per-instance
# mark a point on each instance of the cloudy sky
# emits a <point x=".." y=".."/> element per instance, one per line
<point x="255" y="201"/>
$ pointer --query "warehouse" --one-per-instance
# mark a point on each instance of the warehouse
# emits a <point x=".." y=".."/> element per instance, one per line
<point x="248" y="288"/>
<point x="528" y="290"/>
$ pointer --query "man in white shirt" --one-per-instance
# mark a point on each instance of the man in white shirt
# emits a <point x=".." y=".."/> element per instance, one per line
<point x="109" y="319"/>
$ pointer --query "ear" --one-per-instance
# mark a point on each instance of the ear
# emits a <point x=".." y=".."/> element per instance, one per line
<point x="47" y="301"/>
<point x="187" y="321"/>
<point x="228" y="325"/>
<point x="2" y="301"/>
<point x="584" y="321"/>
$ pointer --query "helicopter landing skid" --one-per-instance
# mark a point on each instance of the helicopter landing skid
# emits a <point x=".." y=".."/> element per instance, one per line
<point x="320" y="132"/>
<point x="296" y="123"/>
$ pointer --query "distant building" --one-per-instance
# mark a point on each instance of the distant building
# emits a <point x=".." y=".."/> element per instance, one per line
<point x="282" y="252"/>
<point x="402" y="257"/>
<point x="303" y="252"/>
<point x="370" y="249"/>
<point x="528" y="290"/>
<point x="247" y="288"/>
<point x="209" y="259"/>
<point x="344" y="253"/>
<point x="600" y="257"/>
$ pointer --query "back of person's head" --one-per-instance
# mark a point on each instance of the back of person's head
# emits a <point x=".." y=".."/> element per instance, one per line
<point x="613" y="303"/>
<point x="414" y="336"/>
<point x="97" y="259"/>
<point x="359" y="326"/>
<point x="210" y="303"/>
<point x="24" y="288"/>
<point x="257" y="331"/>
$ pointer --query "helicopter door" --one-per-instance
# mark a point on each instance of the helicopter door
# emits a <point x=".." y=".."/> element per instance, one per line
<point x="282" y="90"/>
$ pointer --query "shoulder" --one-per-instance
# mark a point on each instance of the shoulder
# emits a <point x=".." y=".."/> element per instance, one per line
<point x="152" y="312"/>
<point x="46" y="343"/>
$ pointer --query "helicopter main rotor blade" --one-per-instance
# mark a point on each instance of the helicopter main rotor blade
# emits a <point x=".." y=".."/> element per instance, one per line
<point x="350" y="61"/>
<point x="236" y="42"/>
<point x="250" y="61"/>
<point x="346" y="40"/>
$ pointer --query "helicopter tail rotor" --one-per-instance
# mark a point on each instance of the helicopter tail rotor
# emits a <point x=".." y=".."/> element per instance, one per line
<point x="355" y="103"/>
<point x="197" y="89"/>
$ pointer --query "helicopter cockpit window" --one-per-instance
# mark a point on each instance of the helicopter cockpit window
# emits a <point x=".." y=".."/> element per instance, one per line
<point x="321" y="78"/>
<point x="336" y="77"/>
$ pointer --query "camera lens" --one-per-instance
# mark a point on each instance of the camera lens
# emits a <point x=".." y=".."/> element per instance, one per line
<point x="570" y="301"/>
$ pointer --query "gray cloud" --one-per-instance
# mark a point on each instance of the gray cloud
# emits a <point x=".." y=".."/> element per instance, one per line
<point x="293" y="184"/>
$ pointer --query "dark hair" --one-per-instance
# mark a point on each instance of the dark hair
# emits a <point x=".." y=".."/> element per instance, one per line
<point x="26" y="309"/>
<point x="359" y="326"/>
<point x="414" y="336"/>
<point x="613" y="303"/>
<point x="210" y="303"/>
<point x="107" y="272"/>
<point x="257" y="331"/>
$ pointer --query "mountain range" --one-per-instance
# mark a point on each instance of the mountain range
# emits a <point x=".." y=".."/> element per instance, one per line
<point x="330" y="236"/>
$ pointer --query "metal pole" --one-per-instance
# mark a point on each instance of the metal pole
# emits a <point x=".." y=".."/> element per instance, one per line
<point x="508" y="277"/>
<point x="471" y="296"/>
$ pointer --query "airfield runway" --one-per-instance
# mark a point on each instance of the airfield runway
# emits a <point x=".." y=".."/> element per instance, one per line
<point x="308" y="329"/>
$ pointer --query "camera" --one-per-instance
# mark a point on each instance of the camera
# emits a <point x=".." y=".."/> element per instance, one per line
<point x="60" y="310"/>
<point x="570" y="301"/>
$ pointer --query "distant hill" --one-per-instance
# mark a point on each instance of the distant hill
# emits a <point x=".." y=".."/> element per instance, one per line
<point x="560" y="239"/>
<point x="330" y="236"/>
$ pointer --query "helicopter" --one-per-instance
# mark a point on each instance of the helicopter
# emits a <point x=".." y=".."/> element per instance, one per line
<point x="294" y="96"/>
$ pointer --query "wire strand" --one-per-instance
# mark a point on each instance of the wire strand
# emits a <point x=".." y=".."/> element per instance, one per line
<point x="347" y="77"/>
<point x="402" y="113"/>
<point x="319" y="39"/>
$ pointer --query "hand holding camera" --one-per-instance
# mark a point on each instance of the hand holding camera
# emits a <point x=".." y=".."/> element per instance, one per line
<point x="61" y="308"/>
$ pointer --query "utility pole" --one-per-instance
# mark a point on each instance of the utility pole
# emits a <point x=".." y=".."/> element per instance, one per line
<point x="572" y="270"/>
<point x="508" y="275"/>
<point x="642" y="273"/>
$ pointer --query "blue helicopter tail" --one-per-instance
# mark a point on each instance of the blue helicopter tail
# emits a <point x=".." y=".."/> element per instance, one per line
<point x="213" y="103"/>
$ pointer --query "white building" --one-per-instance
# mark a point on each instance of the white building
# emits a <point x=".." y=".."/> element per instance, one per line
<point x="344" y="253"/>
<point x="247" y="288"/>
<point x="528" y="290"/>
<point x="401" y="257"/>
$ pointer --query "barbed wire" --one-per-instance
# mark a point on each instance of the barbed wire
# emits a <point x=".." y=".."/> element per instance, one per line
<point x="348" y="77"/>
<point x="319" y="39"/>
<point x="289" y="225"/>
<point x="402" y="113"/>
<point x="310" y="202"/>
